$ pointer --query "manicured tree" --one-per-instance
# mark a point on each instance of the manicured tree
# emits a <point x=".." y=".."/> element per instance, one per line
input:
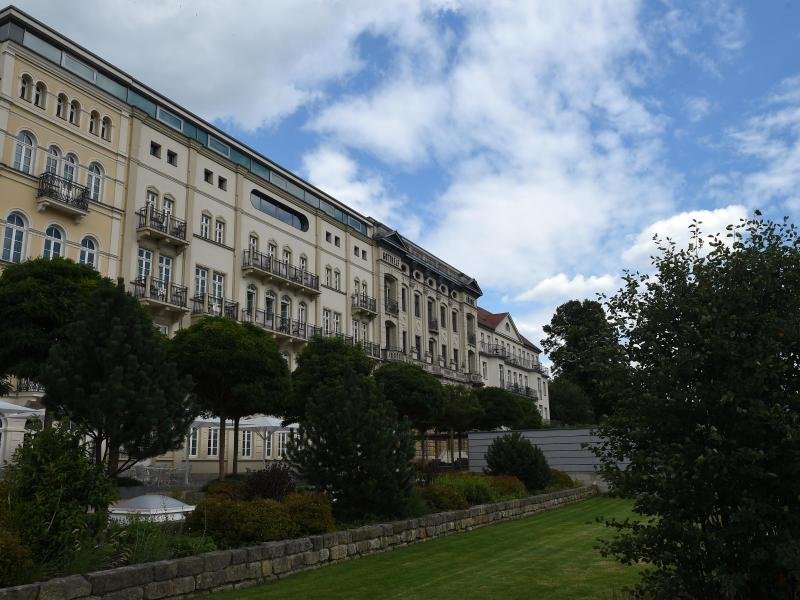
<point x="323" y="359"/>
<point x="499" y="407"/>
<point x="531" y="417"/>
<point x="513" y="455"/>
<point x="350" y="443"/>
<point x="585" y="349"/>
<point x="110" y="375"/>
<point x="236" y="371"/>
<point x="37" y="298"/>
<point x="461" y="412"/>
<point x="416" y="394"/>
<point x="712" y="423"/>
<point x="569" y="403"/>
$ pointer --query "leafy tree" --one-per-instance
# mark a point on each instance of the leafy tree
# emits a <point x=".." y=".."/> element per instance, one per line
<point x="52" y="494"/>
<point x="236" y="369"/>
<point x="585" y="349"/>
<point x="37" y="299"/>
<point x="350" y="443"/>
<point x="513" y="455"/>
<point x="712" y="424"/>
<point x="110" y="375"/>
<point x="321" y="360"/>
<point x="569" y="403"/>
<point x="416" y="394"/>
<point x="500" y="408"/>
<point x="531" y="417"/>
<point x="461" y="412"/>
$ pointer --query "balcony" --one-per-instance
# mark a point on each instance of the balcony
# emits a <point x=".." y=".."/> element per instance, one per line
<point x="471" y="339"/>
<point x="161" y="226"/>
<point x="63" y="195"/>
<point x="433" y="326"/>
<point x="391" y="307"/>
<point x="161" y="295"/>
<point x="215" y="306"/>
<point x="475" y="378"/>
<point x="280" y="326"/>
<point x="522" y="390"/>
<point x="539" y="368"/>
<point x="364" y="304"/>
<point x="393" y="354"/>
<point x="270" y="268"/>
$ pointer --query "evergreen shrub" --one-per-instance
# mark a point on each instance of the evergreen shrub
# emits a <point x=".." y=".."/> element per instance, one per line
<point x="512" y="454"/>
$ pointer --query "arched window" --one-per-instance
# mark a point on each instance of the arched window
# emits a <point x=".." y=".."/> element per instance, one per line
<point x="70" y="167"/>
<point x="40" y="95"/>
<point x="168" y="205"/>
<point x="24" y="151"/>
<point x="61" y="106"/>
<point x="25" y="86"/>
<point x="94" y="181"/>
<point x="302" y="312"/>
<point x="75" y="113"/>
<point x="151" y="199"/>
<point x="269" y="304"/>
<point x="105" y="129"/>
<point x="88" y="254"/>
<point x="53" y="242"/>
<point x="286" y="308"/>
<point x="14" y="238"/>
<point x="94" y="122"/>
<point x="53" y="158"/>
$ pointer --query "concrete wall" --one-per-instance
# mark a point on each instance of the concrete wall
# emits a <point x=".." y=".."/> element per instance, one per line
<point x="244" y="567"/>
<point x="563" y="449"/>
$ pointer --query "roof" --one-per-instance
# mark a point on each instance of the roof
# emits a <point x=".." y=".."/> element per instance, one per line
<point x="151" y="503"/>
<point x="10" y="408"/>
<point x="492" y="321"/>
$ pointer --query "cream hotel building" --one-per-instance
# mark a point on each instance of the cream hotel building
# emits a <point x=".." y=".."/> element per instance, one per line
<point x="99" y="168"/>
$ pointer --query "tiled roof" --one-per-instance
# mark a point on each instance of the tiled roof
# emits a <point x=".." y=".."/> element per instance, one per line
<point x="490" y="320"/>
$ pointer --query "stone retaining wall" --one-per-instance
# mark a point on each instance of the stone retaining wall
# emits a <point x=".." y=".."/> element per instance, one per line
<point x="243" y="567"/>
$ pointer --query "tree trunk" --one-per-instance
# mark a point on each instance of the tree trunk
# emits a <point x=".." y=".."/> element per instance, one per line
<point x="222" y="444"/>
<point x="113" y="458"/>
<point x="98" y="449"/>
<point x="460" y="437"/>
<point x="451" y="447"/>
<point x="235" y="445"/>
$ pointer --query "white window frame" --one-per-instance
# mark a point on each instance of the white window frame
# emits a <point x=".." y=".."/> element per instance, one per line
<point x="88" y="255"/>
<point x="212" y="445"/>
<point x="14" y="239"/>
<point x="193" y="442"/>
<point x="247" y="443"/>
<point x="205" y="226"/>
<point x="281" y="444"/>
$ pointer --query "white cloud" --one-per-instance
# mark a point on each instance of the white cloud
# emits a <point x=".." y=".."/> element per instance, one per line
<point x="249" y="63"/>
<point x="697" y="108"/>
<point x="562" y="287"/>
<point x="676" y="228"/>
<point x="339" y="175"/>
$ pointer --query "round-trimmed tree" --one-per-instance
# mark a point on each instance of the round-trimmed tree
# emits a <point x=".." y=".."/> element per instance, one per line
<point x="512" y="454"/>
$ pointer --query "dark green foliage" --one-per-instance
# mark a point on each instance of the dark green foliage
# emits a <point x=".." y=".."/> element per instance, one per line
<point x="110" y="375"/>
<point x="560" y="480"/>
<point x="227" y="489"/>
<point x="461" y="412"/>
<point x="440" y="498"/>
<point x="350" y="443"/>
<point x="500" y="408"/>
<point x="585" y="349"/>
<point x="274" y="482"/>
<point x="143" y="541"/>
<point x="323" y="359"/>
<point x="37" y="299"/>
<point x="232" y="523"/>
<point x="309" y="514"/>
<point x="514" y="455"/>
<point x="474" y="488"/>
<point x="569" y="404"/>
<point x="236" y="369"/>
<point x="127" y="482"/>
<point x="416" y="394"/>
<point x="16" y="560"/>
<point x="507" y="487"/>
<point x="49" y="489"/>
<point x="531" y="417"/>
<point x="712" y="423"/>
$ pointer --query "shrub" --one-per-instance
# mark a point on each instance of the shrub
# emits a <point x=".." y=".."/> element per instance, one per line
<point x="16" y="561"/>
<point x="309" y="514"/>
<point x="514" y="455"/>
<point x="234" y="523"/>
<point x="274" y="482"/>
<point x="415" y="505"/>
<point x="227" y="489"/>
<point x="143" y="540"/>
<point x="475" y="488"/>
<point x="53" y="495"/>
<point x="507" y="487"/>
<point x="560" y="480"/>
<point x="123" y="481"/>
<point x="443" y="497"/>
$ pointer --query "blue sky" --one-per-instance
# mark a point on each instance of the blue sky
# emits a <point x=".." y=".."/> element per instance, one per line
<point x="537" y="146"/>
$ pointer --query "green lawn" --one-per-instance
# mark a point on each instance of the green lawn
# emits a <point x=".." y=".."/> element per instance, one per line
<point x="549" y="555"/>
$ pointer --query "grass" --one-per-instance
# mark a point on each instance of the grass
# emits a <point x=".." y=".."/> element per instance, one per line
<point x="550" y="555"/>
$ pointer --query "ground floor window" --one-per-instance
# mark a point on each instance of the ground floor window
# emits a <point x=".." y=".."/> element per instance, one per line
<point x="213" y="441"/>
<point x="247" y="443"/>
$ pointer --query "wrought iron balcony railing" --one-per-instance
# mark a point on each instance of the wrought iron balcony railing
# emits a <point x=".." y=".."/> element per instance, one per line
<point x="163" y="222"/>
<point x="217" y="306"/>
<point x="433" y="325"/>
<point x="158" y="290"/>
<point x="280" y="269"/>
<point x="391" y="306"/>
<point x="63" y="191"/>
<point x="364" y="303"/>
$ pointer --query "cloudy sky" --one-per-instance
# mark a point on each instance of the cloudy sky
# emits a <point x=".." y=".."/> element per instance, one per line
<point x="537" y="146"/>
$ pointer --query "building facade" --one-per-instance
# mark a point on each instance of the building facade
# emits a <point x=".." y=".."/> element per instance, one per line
<point x="510" y="361"/>
<point x="97" y="167"/>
